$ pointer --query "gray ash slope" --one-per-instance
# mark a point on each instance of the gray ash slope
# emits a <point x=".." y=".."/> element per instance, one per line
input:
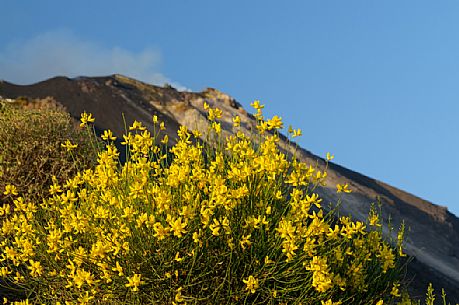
<point x="433" y="236"/>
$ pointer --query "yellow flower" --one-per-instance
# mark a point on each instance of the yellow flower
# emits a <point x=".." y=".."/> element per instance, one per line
<point x="297" y="133"/>
<point x="4" y="271"/>
<point x="165" y="139"/>
<point x="86" y="118"/>
<point x="196" y="133"/>
<point x="214" y="114"/>
<point x="330" y="156"/>
<point x="108" y="135"/>
<point x="380" y="302"/>
<point x="395" y="292"/>
<point x="256" y="104"/>
<point x="217" y="127"/>
<point x="178" y="296"/>
<point x="35" y="268"/>
<point x="137" y="126"/>
<point x="286" y="229"/>
<point x="245" y="242"/>
<point x="83" y="276"/>
<point x="134" y="282"/>
<point x="18" y="278"/>
<point x="118" y="269"/>
<point x="160" y="231"/>
<point x="178" y="227"/>
<point x="252" y="284"/>
<point x="155" y="119"/>
<point x="321" y="279"/>
<point x="68" y="145"/>
<point x="343" y="188"/>
<point x="278" y="196"/>
<point x="10" y="189"/>
<point x="387" y="257"/>
<point x="55" y="188"/>
<point x="289" y="247"/>
<point x="129" y="212"/>
<point x="275" y="123"/>
<point x="99" y="249"/>
<point x="177" y="257"/>
<point x="268" y="261"/>
<point x="373" y="219"/>
<point x="196" y="237"/>
<point x="215" y="227"/>
<point x="268" y="210"/>
<point x="236" y="121"/>
<point x="143" y="218"/>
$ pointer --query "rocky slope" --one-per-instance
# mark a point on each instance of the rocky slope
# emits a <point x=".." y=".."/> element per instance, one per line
<point x="433" y="232"/>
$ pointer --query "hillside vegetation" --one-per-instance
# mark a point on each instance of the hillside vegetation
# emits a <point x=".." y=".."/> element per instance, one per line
<point x="229" y="221"/>
<point x="32" y="134"/>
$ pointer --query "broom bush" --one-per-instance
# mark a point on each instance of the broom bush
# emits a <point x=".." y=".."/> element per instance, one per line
<point x="231" y="222"/>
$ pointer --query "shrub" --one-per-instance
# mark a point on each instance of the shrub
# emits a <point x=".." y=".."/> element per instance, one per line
<point x="239" y="224"/>
<point x="31" y="151"/>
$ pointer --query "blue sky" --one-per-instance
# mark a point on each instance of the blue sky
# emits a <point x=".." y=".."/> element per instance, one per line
<point x="374" y="82"/>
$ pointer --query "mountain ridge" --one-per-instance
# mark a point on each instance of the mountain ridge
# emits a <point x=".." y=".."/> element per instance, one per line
<point x="434" y="232"/>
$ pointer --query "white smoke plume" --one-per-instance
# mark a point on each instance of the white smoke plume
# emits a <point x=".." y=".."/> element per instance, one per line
<point x="61" y="53"/>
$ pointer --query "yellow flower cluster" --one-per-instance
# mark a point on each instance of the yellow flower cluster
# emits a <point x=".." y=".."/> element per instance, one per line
<point x="86" y="118"/>
<point x="189" y="224"/>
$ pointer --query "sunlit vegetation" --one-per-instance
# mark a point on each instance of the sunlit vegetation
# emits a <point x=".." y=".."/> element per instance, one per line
<point x="230" y="221"/>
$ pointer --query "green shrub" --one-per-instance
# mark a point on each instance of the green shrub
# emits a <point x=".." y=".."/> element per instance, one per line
<point x="31" y="151"/>
<point x="239" y="224"/>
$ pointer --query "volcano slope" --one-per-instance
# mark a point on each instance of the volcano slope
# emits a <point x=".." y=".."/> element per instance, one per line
<point x="116" y="101"/>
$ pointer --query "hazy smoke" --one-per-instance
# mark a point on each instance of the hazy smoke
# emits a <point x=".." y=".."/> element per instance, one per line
<point x="62" y="53"/>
